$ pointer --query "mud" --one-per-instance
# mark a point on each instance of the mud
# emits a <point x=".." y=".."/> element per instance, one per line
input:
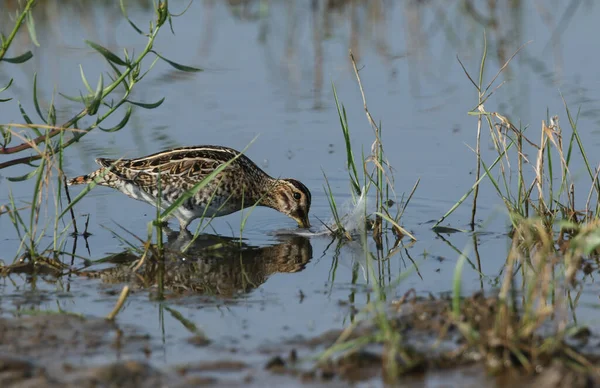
<point x="431" y="342"/>
<point x="62" y="351"/>
<point x="66" y="350"/>
<point x="49" y="350"/>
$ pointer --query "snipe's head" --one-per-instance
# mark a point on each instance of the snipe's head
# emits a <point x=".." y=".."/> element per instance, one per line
<point x="292" y="198"/>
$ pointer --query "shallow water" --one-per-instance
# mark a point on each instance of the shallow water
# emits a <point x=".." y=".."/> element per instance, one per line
<point x="268" y="72"/>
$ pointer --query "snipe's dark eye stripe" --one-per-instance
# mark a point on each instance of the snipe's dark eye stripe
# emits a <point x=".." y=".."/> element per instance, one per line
<point x="302" y="188"/>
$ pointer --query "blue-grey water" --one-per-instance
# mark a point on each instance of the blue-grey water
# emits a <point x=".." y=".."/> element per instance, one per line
<point x="268" y="71"/>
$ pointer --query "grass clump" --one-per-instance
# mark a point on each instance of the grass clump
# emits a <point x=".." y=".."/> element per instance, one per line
<point x="527" y="328"/>
<point x="527" y="325"/>
<point x="370" y="177"/>
<point x="532" y="177"/>
<point x="377" y="182"/>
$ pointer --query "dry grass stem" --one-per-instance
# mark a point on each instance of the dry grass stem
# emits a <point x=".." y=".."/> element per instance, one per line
<point x="119" y="305"/>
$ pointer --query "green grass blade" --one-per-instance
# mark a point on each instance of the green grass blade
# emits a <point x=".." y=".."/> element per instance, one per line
<point x="346" y="132"/>
<point x="482" y="65"/>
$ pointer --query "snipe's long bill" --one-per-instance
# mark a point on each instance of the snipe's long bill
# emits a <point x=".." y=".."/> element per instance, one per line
<point x="239" y="185"/>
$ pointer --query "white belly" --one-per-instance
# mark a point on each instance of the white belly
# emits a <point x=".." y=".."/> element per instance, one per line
<point x="218" y="207"/>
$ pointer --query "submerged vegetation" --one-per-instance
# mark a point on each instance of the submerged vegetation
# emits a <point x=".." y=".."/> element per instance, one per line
<point x="525" y="326"/>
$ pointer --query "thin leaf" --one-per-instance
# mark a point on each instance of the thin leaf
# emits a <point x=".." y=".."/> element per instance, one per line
<point x="116" y="69"/>
<point x="121" y="124"/>
<point x="483" y="58"/>
<point x="25" y="177"/>
<point x="177" y="65"/>
<point x="124" y="11"/>
<point x="28" y="120"/>
<point x="147" y="105"/>
<point x="447" y="230"/>
<point x="106" y="53"/>
<point x="95" y="104"/>
<point x="332" y="204"/>
<point x="170" y="20"/>
<point x="15" y="217"/>
<point x="35" y="99"/>
<point x="52" y="113"/>
<point x="175" y="15"/>
<point x="85" y="81"/>
<point x="25" y="115"/>
<point x="346" y="132"/>
<point x="36" y="191"/>
<point x="456" y="284"/>
<point x="81" y="98"/>
<point x="31" y="28"/>
<point x="20" y="59"/>
<point x="7" y="86"/>
<point x="141" y="77"/>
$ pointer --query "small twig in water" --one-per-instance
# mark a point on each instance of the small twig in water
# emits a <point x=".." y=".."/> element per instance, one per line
<point x="119" y="305"/>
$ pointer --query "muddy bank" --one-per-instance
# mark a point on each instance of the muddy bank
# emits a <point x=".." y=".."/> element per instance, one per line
<point x="58" y="350"/>
<point x="63" y="350"/>
<point x="482" y="347"/>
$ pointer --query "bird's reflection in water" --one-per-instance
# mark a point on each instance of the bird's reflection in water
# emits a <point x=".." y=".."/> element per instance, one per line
<point x="212" y="265"/>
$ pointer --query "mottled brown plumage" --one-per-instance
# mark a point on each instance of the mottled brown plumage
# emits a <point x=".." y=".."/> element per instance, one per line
<point x="239" y="185"/>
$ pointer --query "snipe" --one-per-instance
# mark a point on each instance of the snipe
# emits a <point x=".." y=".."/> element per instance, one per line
<point x="241" y="184"/>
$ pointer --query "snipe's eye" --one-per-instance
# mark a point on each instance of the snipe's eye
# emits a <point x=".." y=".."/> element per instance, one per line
<point x="297" y="196"/>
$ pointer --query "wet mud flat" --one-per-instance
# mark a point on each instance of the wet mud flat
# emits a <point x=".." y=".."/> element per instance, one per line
<point x="62" y="350"/>
<point x="58" y="350"/>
